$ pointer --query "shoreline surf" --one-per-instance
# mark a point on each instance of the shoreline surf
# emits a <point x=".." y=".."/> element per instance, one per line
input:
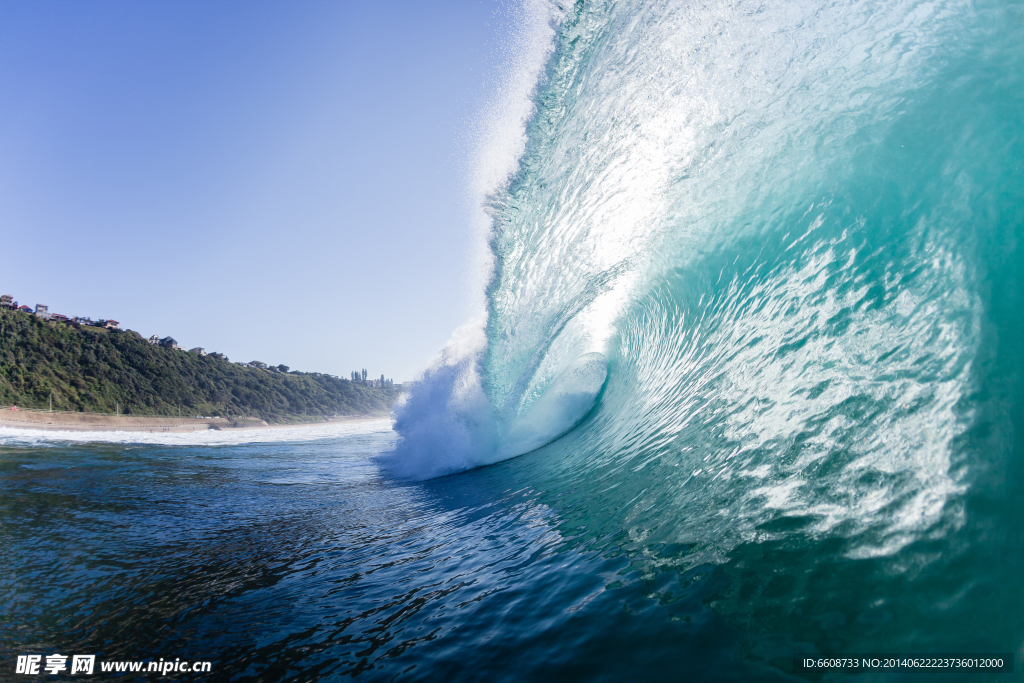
<point x="89" y="422"/>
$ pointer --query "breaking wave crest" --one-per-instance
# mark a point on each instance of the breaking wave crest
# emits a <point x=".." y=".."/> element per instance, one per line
<point x="788" y="231"/>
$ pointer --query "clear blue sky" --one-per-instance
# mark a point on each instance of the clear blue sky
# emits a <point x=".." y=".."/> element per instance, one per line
<point x="279" y="181"/>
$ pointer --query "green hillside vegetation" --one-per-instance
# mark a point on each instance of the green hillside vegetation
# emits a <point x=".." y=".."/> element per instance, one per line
<point x="92" y="370"/>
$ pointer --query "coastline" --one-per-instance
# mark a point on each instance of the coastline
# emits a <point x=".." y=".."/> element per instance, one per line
<point x="90" y="422"/>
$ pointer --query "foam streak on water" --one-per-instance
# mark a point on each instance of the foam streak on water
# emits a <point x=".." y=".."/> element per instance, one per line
<point x="56" y="437"/>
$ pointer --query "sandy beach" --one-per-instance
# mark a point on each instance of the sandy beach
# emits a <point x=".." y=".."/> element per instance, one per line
<point x="85" y="422"/>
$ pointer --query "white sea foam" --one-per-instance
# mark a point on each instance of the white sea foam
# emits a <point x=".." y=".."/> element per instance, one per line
<point x="40" y="437"/>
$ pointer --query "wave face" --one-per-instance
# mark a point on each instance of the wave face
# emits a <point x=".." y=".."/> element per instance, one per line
<point x="792" y="230"/>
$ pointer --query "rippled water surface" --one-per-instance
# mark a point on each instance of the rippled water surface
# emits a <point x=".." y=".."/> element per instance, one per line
<point x="301" y="561"/>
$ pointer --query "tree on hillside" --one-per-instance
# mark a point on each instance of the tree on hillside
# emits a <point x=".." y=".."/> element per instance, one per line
<point x="91" y="370"/>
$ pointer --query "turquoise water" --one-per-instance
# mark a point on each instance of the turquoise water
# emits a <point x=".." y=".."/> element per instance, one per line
<point x="793" y="231"/>
<point x="762" y="264"/>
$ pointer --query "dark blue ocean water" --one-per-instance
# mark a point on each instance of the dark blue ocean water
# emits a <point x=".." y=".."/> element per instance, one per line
<point x="302" y="561"/>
